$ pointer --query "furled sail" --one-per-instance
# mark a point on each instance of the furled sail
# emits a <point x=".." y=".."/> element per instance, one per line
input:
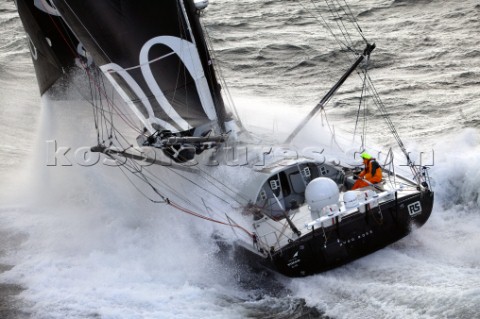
<point x="154" y="54"/>
<point x="52" y="55"/>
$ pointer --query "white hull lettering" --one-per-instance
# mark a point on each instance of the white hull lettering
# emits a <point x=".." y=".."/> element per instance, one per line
<point x="415" y="208"/>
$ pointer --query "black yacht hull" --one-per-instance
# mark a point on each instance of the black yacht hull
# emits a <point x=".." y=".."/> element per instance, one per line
<point x="354" y="237"/>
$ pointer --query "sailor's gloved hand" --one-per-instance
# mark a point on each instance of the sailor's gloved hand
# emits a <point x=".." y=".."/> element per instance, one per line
<point x="357" y="170"/>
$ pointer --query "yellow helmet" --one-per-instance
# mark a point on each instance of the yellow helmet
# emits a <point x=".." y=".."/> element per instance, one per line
<point x="366" y="156"/>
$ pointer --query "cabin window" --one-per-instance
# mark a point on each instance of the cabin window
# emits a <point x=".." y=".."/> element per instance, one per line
<point x="263" y="195"/>
<point x="299" y="179"/>
<point x="324" y="171"/>
<point x="314" y="171"/>
<point x="306" y="172"/>
<point x="298" y="182"/>
<point x="274" y="184"/>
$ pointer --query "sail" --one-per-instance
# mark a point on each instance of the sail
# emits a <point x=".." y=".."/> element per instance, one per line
<point x="46" y="32"/>
<point x="154" y="54"/>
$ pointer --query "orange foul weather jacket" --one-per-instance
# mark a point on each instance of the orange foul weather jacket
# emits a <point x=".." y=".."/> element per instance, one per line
<point x="371" y="173"/>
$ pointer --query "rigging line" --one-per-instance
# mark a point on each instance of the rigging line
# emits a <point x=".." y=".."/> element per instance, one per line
<point x="100" y="91"/>
<point x="91" y="36"/>
<point x="382" y="108"/>
<point x="159" y="182"/>
<point x="136" y="170"/>
<point x="326" y="25"/>
<point x="154" y="179"/>
<point x="213" y="81"/>
<point x="216" y="78"/>
<point x="360" y="105"/>
<point x="348" y="45"/>
<point x="125" y="119"/>
<point x="355" y="21"/>
<point x="211" y="182"/>
<point x="220" y="75"/>
<point x="211" y="179"/>
<point x="75" y="55"/>
<point x="209" y="219"/>
<point x="206" y="190"/>
<point x="365" y="120"/>
<point x="177" y="86"/>
<point x="177" y="81"/>
<point x="98" y="102"/>
<point x="138" y="66"/>
<point x="393" y="130"/>
<point x="203" y="188"/>
<point x="186" y="84"/>
<point x="341" y="26"/>
<point x="349" y="15"/>
<point x="182" y="11"/>
<point x="112" y="106"/>
<point x="149" y="177"/>
<point x="343" y="46"/>
<point x="86" y="67"/>
<point x="141" y="192"/>
<point x="62" y="35"/>
<point x="225" y="186"/>
<point x="165" y="200"/>
<point x="332" y="91"/>
<point x="365" y="106"/>
<point x="188" y="32"/>
<point x="97" y="110"/>
<point x="143" y="178"/>
<point x="330" y="128"/>
<point x="95" y="113"/>
<point x="324" y="22"/>
<point x="116" y="131"/>
<point x="109" y="109"/>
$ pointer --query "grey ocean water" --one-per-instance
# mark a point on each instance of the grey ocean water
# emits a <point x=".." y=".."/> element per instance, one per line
<point x="78" y="243"/>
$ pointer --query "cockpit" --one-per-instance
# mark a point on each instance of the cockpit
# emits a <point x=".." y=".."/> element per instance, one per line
<point x="284" y="190"/>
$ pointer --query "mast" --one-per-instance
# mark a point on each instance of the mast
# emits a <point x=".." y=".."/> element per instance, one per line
<point x="369" y="48"/>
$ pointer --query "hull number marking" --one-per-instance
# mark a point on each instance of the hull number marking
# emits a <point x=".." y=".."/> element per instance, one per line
<point x="414" y="208"/>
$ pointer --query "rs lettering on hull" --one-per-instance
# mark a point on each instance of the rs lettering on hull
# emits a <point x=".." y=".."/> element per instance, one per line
<point x="415" y="208"/>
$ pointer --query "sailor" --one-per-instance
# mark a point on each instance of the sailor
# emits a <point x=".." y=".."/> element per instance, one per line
<point x="371" y="174"/>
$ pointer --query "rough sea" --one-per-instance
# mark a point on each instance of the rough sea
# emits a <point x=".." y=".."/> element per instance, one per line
<point x="77" y="242"/>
